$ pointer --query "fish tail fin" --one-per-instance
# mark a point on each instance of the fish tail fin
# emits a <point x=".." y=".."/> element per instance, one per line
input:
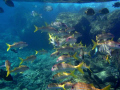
<point x="107" y="87"/>
<point x="8" y="71"/>
<point x="107" y="59"/>
<point x="72" y="74"/>
<point x="21" y="60"/>
<point x="89" y="68"/>
<point x="36" y="52"/>
<point x="79" y="67"/>
<point x="95" y="44"/>
<point x="89" y="53"/>
<point x="9" y="46"/>
<point x="36" y="29"/>
<point x="74" y="56"/>
<point x="63" y="86"/>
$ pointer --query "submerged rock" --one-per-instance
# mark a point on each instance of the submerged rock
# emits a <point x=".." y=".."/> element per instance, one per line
<point x="77" y="21"/>
<point x="3" y="75"/>
<point x="92" y="25"/>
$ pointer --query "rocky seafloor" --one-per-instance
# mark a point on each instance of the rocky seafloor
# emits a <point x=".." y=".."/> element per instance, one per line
<point x="92" y="25"/>
<point x="39" y="75"/>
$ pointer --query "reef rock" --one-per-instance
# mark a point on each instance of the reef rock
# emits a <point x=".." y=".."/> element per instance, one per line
<point x="92" y="25"/>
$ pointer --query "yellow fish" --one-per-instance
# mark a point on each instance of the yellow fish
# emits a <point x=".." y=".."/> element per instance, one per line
<point x="16" y="45"/>
<point x="29" y="58"/>
<point x="61" y="67"/>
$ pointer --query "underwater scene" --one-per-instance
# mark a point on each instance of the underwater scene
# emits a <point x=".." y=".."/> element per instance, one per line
<point x="59" y="46"/>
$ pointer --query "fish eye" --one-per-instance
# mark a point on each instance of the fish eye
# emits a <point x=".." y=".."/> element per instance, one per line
<point x="69" y="38"/>
<point x="53" y="66"/>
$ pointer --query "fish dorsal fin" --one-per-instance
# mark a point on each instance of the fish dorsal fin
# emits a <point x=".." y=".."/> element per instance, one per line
<point x="73" y="35"/>
<point x="63" y="62"/>
<point x="111" y="39"/>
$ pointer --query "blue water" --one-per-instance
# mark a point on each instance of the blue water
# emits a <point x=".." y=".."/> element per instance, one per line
<point x="57" y="8"/>
<point x="13" y="17"/>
